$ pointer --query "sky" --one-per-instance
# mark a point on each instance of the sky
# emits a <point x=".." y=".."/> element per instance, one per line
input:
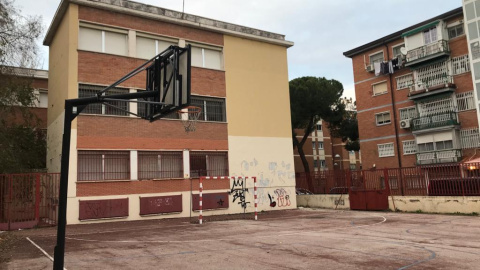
<point x="321" y="29"/>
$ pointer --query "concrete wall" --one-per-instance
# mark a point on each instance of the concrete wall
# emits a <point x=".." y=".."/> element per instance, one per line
<point x="436" y="204"/>
<point x="324" y="201"/>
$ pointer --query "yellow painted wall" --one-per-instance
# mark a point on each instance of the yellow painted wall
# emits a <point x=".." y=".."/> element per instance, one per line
<point x="258" y="102"/>
<point x="62" y="83"/>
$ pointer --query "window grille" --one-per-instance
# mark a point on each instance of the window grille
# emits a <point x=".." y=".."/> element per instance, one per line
<point x="103" y="165"/>
<point x="141" y="107"/>
<point x="460" y="64"/>
<point x="435" y="74"/>
<point x="465" y="101"/>
<point x="404" y="81"/>
<point x="160" y="165"/>
<point x="438" y="106"/>
<point x="213" y="109"/>
<point x="208" y="164"/>
<point x="382" y="118"/>
<point x="385" y="150"/>
<point x="470" y="138"/>
<point x="409" y="147"/>
<point x="408" y="113"/>
<point x="85" y="90"/>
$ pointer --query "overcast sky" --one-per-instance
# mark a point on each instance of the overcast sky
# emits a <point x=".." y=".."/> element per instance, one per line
<point x="321" y="29"/>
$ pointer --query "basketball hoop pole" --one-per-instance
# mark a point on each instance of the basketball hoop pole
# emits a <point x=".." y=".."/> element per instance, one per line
<point x="73" y="107"/>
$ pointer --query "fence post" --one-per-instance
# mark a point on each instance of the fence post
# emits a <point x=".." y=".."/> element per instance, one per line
<point x="461" y="182"/>
<point x="37" y="198"/>
<point x="9" y="204"/>
<point x="349" y="180"/>
<point x="401" y="184"/>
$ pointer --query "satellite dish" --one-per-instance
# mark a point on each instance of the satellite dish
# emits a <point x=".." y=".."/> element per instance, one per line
<point x="403" y="50"/>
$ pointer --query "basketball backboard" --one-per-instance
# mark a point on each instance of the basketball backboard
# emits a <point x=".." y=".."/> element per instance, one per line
<point x="169" y="77"/>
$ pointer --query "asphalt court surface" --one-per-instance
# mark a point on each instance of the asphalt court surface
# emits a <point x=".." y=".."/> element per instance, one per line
<point x="293" y="239"/>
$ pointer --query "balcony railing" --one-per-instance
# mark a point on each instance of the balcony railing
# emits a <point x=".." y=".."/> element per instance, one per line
<point x="434" y="82"/>
<point x="427" y="52"/>
<point x="443" y="156"/>
<point x="434" y="121"/>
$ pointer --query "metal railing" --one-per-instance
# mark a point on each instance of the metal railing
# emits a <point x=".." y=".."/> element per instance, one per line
<point x="435" y="81"/>
<point x="442" y="156"/>
<point x="427" y="50"/>
<point x="451" y="179"/>
<point x="434" y="121"/>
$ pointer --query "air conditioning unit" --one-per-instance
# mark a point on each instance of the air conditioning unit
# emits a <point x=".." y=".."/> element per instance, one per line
<point x="370" y="68"/>
<point x="405" y="123"/>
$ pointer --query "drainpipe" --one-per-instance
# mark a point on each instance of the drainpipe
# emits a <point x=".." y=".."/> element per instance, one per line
<point x="392" y="95"/>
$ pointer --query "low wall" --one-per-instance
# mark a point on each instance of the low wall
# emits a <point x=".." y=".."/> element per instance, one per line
<point x="435" y="204"/>
<point x="324" y="201"/>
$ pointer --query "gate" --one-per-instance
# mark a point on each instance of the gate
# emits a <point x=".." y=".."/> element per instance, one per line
<point x="28" y="200"/>
<point x="369" y="190"/>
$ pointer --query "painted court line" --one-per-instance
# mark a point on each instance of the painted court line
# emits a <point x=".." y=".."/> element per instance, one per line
<point x="43" y="251"/>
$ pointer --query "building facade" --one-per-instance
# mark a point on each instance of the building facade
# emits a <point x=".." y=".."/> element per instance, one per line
<point x="415" y="95"/>
<point x="122" y="166"/>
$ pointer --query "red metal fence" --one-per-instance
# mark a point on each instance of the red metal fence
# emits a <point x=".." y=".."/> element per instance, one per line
<point x="427" y="180"/>
<point x="28" y="200"/>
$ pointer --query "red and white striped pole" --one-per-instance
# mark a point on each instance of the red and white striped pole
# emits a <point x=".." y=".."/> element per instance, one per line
<point x="255" y="195"/>
<point x="200" y="204"/>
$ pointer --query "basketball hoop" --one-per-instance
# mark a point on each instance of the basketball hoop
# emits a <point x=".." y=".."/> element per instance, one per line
<point x="189" y="117"/>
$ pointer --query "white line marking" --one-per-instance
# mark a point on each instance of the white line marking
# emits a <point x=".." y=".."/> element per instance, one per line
<point x="43" y="251"/>
<point x="384" y="219"/>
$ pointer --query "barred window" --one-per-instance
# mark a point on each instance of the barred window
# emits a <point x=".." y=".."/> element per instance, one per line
<point x="382" y="118"/>
<point x="460" y="64"/>
<point x="465" y="101"/>
<point x="103" y="165"/>
<point x="470" y="138"/>
<point x="213" y="109"/>
<point x="112" y="107"/>
<point x="142" y="107"/>
<point x="409" y="147"/>
<point x="385" y="150"/>
<point x="404" y="81"/>
<point x="208" y="164"/>
<point x="408" y="113"/>
<point x="160" y="165"/>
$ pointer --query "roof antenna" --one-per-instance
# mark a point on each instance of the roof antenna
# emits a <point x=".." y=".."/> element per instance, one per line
<point x="183" y="8"/>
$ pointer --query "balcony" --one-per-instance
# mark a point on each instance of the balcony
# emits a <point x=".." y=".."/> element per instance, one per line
<point x="443" y="156"/>
<point x="434" y="121"/>
<point x="431" y="84"/>
<point x="427" y="52"/>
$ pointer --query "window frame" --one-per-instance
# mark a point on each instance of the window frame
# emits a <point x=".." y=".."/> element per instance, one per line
<point x="103" y="153"/>
<point x="204" y="114"/>
<point x="172" y="155"/>
<point x="429" y="33"/>
<point x="212" y="48"/>
<point x="382" y="113"/>
<point x="381" y="93"/>
<point x="374" y="54"/>
<point x="156" y="39"/>
<point x="104" y="107"/>
<point x="103" y="30"/>
<point x="397" y="46"/>
<point x="384" y="144"/>
<point x="456" y="26"/>
<point x="409" y="151"/>
<point x="407" y="109"/>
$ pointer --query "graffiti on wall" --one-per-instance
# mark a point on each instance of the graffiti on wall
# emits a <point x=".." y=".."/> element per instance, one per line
<point x="282" y="197"/>
<point x="273" y="203"/>
<point x="275" y="172"/>
<point x="95" y="209"/>
<point x="238" y="191"/>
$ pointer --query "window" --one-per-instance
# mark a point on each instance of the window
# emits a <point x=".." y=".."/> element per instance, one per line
<point x="315" y="163"/>
<point x="404" y="81"/>
<point x="213" y="109"/>
<point x="379" y="88"/>
<point x="425" y="147"/>
<point x="385" y="150"/>
<point x="436" y="106"/>
<point x="208" y="164"/>
<point x="319" y="127"/>
<point x="98" y="40"/>
<point x="409" y="147"/>
<point x="460" y="64"/>
<point x="320" y="145"/>
<point x="465" y="101"/>
<point x="120" y="107"/>
<point x="207" y="57"/>
<point x="353" y="166"/>
<point x="323" y="164"/>
<point x="160" y="165"/>
<point x="382" y="118"/>
<point x="430" y="35"/>
<point x="375" y="58"/>
<point x="455" y="31"/>
<point x="141" y="109"/>
<point x="470" y="138"/>
<point x="149" y="47"/>
<point x="314" y="146"/>
<point x="443" y="145"/>
<point x="103" y="165"/>
<point x="408" y="113"/>
<point x="396" y="50"/>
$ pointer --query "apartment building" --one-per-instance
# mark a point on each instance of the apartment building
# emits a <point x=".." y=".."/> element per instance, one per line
<point x="326" y="152"/>
<point x="414" y="93"/>
<point x="124" y="167"/>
